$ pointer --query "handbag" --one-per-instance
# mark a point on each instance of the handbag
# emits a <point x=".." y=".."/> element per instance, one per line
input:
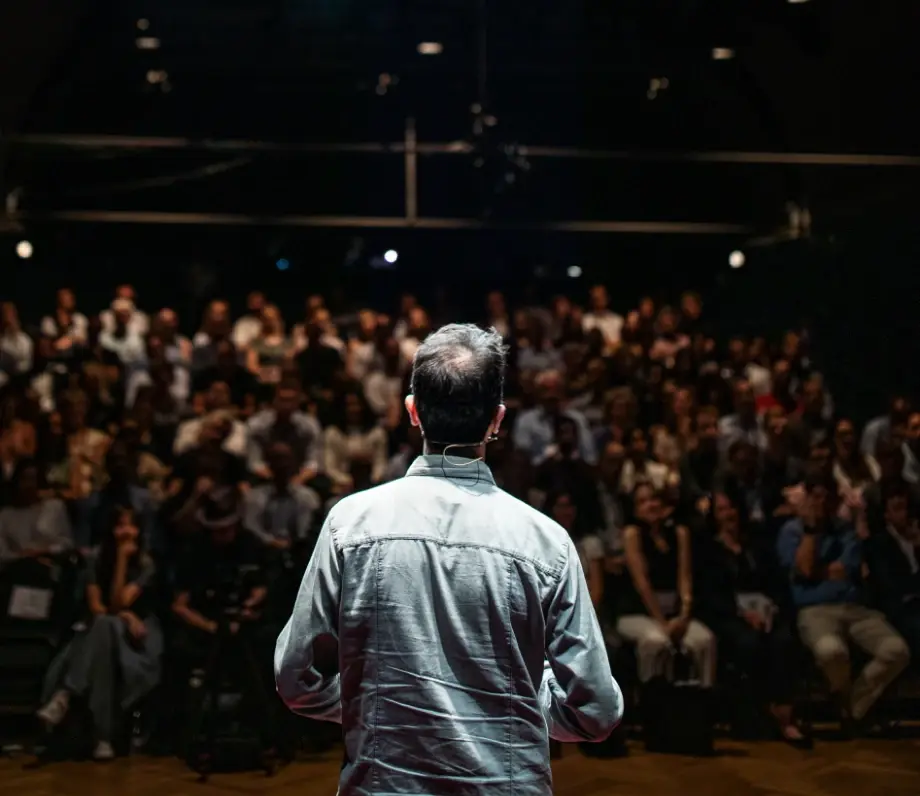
<point x="677" y="714"/>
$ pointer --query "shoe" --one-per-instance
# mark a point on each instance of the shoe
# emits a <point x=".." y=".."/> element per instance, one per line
<point x="103" y="752"/>
<point x="53" y="713"/>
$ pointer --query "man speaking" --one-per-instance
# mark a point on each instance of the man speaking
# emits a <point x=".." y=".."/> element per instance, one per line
<point x="444" y="623"/>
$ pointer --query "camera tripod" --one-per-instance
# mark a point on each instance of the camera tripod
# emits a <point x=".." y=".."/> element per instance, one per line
<point x="228" y="649"/>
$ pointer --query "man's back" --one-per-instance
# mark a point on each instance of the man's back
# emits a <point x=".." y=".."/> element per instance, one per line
<point x="451" y="594"/>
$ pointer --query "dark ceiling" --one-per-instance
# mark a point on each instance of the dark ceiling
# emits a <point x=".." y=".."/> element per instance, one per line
<point x="812" y="77"/>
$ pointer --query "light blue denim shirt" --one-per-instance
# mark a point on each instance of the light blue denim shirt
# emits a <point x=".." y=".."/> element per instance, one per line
<point x="448" y="627"/>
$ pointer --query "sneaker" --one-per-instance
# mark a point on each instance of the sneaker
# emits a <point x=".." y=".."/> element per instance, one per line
<point x="103" y="752"/>
<point x="54" y="712"/>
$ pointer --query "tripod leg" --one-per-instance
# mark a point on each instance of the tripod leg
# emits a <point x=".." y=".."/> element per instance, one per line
<point x="204" y="715"/>
<point x="256" y="693"/>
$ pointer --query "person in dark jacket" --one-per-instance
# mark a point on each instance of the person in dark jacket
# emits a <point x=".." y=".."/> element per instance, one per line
<point x="893" y="555"/>
<point x="739" y="601"/>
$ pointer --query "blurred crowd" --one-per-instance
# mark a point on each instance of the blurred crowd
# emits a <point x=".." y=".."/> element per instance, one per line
<point x="721" y="504"/>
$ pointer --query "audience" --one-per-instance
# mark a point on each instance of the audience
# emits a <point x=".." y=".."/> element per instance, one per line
<point x="722" y="508"/>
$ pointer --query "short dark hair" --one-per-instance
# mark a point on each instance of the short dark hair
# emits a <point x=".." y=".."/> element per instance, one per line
<point x="458" y="379"/>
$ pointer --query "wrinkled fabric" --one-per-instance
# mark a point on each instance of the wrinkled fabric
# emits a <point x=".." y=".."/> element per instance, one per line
<point x="449" y="628"/>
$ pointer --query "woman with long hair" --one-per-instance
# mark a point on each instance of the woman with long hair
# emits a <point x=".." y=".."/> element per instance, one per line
<point x="355" y="446"/>
<point x="656" y="610"/>
<point x="562" y="507"/>
<point x="116" y="660"/>
<point x="270" y="350"/>
<point x="738" y="601"/>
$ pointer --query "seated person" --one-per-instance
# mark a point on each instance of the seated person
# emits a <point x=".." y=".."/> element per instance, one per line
<point x="281" y="513"/>
<point x="563" y="509"/>
<point x="823" y="556"/>
<point x="32" y="527"/>
<point x="354" y="443"/>
<point x="737" y="586"/>
<point x="207" y="466"/>
<point x="220" y="581"/>
<point x="655" y="611"/>
<point x="116" y="660"/>
<point x="286" y="423"/>
<point x="94" y="514"/>
<point x="894" y="565"/>
<point x="216" y="403"/>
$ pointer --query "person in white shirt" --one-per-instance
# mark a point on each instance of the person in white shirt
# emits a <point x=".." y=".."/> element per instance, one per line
<point x="121" y="339"/>
<point x="601" y="317"/>
<point x="65" y="325"/>
<point x="16" y="347"/>
<point x="137" y="322"/>
<point x="249" y="327"/>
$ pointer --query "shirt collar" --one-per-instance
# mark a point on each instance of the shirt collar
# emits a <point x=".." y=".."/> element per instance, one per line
<point x="436" y="464"/>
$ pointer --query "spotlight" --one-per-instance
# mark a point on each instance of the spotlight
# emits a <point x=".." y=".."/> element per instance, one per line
<point x="24" y="249"/>
<point x="282" y="264"/>
<point x="391" y="256"/>
<point x="147" y="43"/>
<point x="574" y="271"/>
<point x="143" y="24"/>
<point x="430" y="48"/>
<point x="736" y="259"/>
<point x="722" y="53"/>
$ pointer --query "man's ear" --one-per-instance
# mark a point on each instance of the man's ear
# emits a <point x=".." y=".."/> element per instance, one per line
<point x="413" y="412"/>
<point x="497" y="420"/>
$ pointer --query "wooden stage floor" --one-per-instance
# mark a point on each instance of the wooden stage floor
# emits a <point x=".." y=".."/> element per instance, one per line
<point x="862" y="768"/>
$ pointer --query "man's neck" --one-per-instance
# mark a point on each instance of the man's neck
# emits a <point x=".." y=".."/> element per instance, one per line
<point x="455" y="451"/>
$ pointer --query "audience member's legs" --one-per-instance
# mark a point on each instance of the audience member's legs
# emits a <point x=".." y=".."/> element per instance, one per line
<point x="779" y="680"/>
<point x="653" y="647"/>
<point x="92" y="673"/>
<point x="889" y="652"/>
<point x="700" y="644"/>
<point x="780" y="664"/>
<point x="821" y="630"/>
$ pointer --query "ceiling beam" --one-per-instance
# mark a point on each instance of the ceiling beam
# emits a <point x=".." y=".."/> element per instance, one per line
<point x="385" y="222"/>
<point x="151" y="143"/>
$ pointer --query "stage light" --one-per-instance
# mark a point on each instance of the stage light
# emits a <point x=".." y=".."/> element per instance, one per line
<point x="736" y="259"/>
<point x="143" y="24"/>
<point x="574" y="271"/>
<point x="722" y="53"/>
<point x="391" y="256"/>
<point x="157" y="76"/>
<point x="430" y="48"/>
<point x="24" y="249"/>
<point x="147" y="43"/>
<point x="282" y="264"/>
<point x="796" y="2"/>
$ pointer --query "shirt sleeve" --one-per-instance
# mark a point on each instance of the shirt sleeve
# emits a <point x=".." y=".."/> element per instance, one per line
<point x="579" y="697"/>
<point x="307" y="652"/>
<point x="787" y="544"/>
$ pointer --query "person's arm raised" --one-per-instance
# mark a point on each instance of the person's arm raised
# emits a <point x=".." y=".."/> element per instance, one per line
<point x="579" y="697"/>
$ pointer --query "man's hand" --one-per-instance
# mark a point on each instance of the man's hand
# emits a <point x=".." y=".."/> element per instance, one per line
<point x="836" y="571"/>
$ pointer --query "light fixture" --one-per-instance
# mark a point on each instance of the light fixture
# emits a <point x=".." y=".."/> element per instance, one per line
<point x="155" y="76"/>
<point x="736" y="259"/>
<point x="391" y="256"/>
<point x="722" y="53"/>
<point x="143" y="24"/>
<point x="147" y="43"/>
<point x="796" y="2"/>
<point x="283" y="264"/>
<point x="430" y="48"/>
<point x="24" y="249"/>
<point x="574" y="271"/>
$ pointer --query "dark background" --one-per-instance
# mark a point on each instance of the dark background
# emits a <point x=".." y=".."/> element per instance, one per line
<point x="817" y="77"/>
